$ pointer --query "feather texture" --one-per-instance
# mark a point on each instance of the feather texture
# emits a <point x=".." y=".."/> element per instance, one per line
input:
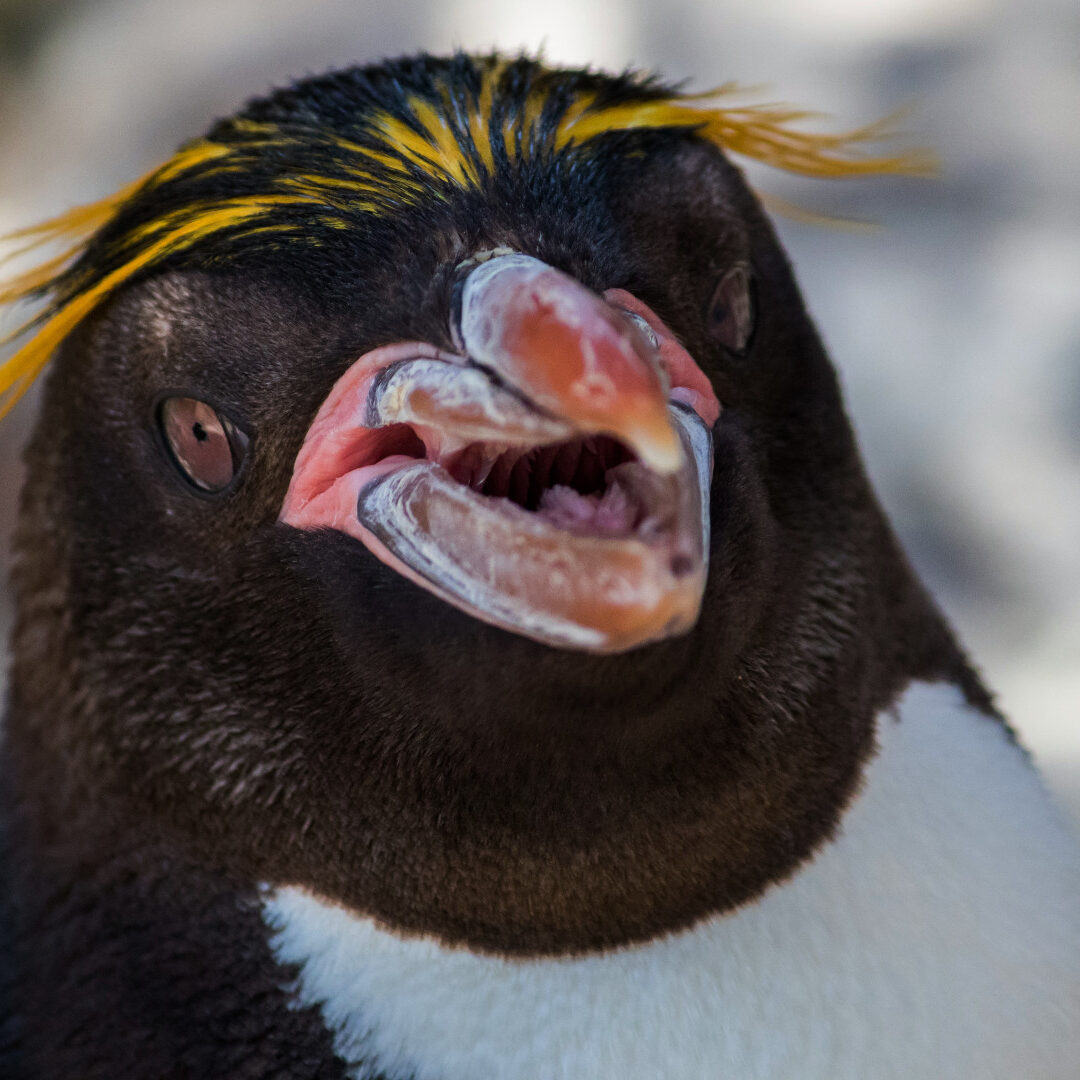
<point x="286" y="177"/>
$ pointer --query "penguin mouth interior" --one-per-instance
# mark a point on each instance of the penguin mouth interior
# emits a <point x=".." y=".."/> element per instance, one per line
<point x="588" y="486"/>
<point x="503" y="508"/>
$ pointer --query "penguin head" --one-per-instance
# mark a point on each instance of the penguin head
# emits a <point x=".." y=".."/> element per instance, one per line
<point x="443" y="502"/>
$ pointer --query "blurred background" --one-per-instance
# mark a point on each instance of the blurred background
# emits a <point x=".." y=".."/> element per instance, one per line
<point x="955" y="326"/>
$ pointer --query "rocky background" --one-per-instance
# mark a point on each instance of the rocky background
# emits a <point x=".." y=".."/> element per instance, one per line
<point x="956" y="325"/>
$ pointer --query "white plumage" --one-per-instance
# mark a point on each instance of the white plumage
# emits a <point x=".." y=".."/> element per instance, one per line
<point x="936" y="938"/>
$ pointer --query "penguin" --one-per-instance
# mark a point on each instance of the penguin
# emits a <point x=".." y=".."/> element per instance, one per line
<point x="457" y="638"/>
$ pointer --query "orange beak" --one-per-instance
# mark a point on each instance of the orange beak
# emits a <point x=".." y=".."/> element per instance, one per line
<point x="569" y="353"/>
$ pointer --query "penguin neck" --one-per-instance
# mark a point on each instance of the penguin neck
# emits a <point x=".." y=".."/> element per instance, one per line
<point x="906" y="911"/>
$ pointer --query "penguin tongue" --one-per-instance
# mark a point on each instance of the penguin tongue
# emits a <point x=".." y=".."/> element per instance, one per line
<point x="610" y="514"/>
<point x="518" y="514"/>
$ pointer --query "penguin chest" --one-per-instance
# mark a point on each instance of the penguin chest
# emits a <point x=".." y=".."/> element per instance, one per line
<point x="938" y="935"/>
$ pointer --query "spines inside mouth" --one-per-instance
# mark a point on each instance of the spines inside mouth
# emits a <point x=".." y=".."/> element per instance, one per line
<point x="524" y="475"/>
<point x="582" y="485"/>
<point x="574" y="485"/>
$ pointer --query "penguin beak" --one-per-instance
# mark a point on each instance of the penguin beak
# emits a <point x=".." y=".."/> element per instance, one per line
<point x="551" y="478"/>
<point x="572" y="355"/>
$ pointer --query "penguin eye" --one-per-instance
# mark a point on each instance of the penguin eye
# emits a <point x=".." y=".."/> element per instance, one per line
<point x="204" y="445"/>
<point x="731" y="313"/>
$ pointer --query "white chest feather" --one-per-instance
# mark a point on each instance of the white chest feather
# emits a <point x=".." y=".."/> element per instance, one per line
<point x="938" y="938"/>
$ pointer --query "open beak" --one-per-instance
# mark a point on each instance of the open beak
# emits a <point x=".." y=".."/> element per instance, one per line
<point x="552" y="479"/>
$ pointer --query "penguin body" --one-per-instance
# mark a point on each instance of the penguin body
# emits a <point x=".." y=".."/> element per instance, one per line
<point x="931" y="879"/>
<point x="457" y="637"/>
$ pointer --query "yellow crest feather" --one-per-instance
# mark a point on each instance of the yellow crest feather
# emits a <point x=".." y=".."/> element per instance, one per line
<point x="398" y="158"/>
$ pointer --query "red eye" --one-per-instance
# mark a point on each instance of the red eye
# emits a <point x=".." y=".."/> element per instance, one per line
<point x="205" y="446"/>
<point x="731" y="312"/>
